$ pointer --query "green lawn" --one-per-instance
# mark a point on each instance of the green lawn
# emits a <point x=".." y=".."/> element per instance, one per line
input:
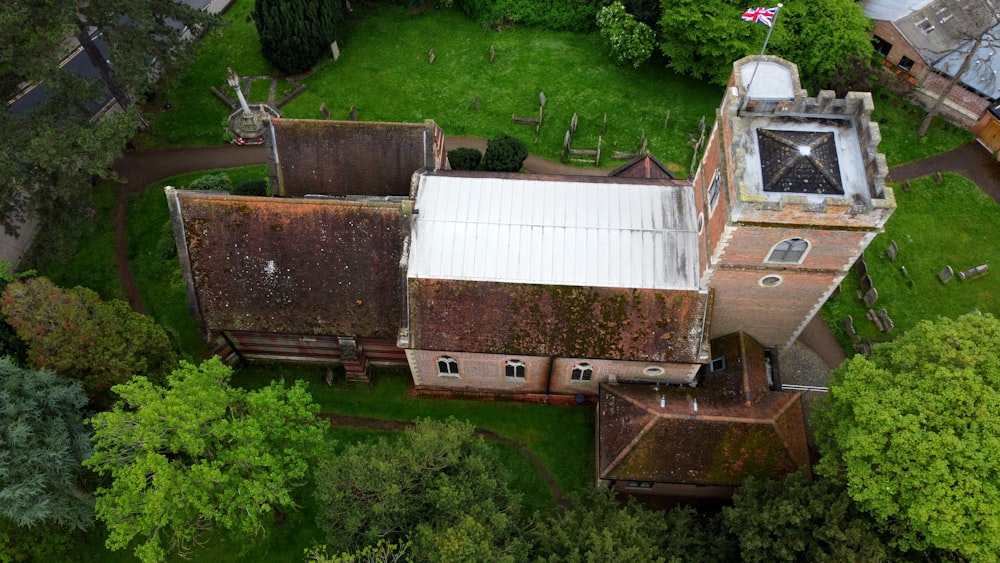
<point x="952" y="223"/>
<point x="384" y="72"/>
<point x="899" y="120"/>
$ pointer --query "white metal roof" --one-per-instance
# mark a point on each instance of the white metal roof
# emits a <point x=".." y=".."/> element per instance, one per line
<point x="891" y="10"/>
<point x="770" y="80"/>
<point x="555" y="232"/>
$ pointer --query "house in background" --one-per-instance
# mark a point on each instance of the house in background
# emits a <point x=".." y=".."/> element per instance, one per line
<point x="636" y="289"/>
<point x="925" y="42"/>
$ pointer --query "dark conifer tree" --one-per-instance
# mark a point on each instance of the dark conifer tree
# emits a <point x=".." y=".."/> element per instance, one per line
<point x="294" y="34"/>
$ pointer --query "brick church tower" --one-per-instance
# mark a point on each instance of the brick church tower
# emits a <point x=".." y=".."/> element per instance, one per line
<point x="790" y="192"/>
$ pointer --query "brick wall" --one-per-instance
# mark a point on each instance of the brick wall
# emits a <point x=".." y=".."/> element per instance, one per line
<point x="901" y="48"/>
<point x="562" y="371"/>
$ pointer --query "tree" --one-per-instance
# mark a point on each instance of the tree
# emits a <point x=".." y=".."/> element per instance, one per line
<point x="631" y="42"/>
<point x="597" y="527"/>
<point x="973" y="25"/>
<point x="42" y="445"/>
<point x="438" y="486"/>
<point x="702" y="38"/>
<point x="504" y="154"/>
<point x="199" y="454"/>
<point x="796" y="519"/>
<point x="294" y="34"/>
<point x="10" y="344"/>
<point x="51" y="152"/>
<point x="914" y="430"/>
<point x="74" y="333"/>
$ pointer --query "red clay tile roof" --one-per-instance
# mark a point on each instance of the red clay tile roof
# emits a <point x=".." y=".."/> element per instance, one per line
<point x="643" y="166"/>
<point x="555" y="320"/>
<point x="349" y="157"/>
<point x="721" y="443"/>
<point x="302" y="266"/>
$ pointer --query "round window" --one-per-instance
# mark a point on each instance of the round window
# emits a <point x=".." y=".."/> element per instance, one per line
<point x="653" y="371"/>
<point x="770" y="281"/>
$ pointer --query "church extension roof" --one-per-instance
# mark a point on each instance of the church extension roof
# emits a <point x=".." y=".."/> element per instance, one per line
<point x="739" y="428"/>
<point x="294" y="266"/>
<point x="348" y="157"/>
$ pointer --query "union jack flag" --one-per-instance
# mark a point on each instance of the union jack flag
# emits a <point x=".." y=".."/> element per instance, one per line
<point x="763" y="16"/>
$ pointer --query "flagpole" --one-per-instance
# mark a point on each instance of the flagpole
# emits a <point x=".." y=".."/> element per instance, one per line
<point x="746" y="97"/>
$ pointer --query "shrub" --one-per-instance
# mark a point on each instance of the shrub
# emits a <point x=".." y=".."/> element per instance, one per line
<point x="294" y="34"/>
<point x="505" y="154"/>
<point x="464" y="158"/>
<point x="631" y="42"/>
<point x="569" y="15"/>
<point x="211" y="183"/>
<point x="251" y="187"/>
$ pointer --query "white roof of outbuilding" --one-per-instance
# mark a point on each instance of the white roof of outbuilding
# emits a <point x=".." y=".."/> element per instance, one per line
<point x="891" y="10"/>
<point x="563" y="232"/>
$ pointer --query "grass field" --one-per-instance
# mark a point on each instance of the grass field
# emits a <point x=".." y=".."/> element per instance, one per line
<point x="952" y="223"/>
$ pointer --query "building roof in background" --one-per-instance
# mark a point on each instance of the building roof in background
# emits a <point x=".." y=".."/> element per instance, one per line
<point x="298" y="266"/>
<point x="891" y="10"/>
<point x="555" y="230"/>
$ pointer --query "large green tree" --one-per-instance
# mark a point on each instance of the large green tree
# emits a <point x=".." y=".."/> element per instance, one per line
<point x="74" y="333"/>
<point x="199" y="454"/>
<point x="43" y="443"/>
<point x="294" y="34"/>
<point x="914" y="429"/>
<point x="796" y="519"/>
<point x="702" y="38"/>
<point x="597" y="527"/>
<point x="51" y="151"/>
<point x="438" y="485"/>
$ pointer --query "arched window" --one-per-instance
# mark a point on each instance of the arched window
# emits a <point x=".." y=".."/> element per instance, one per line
<point x="789" y="251"/>
<point x="447" y="366"/>
<point x="582" y="372"/>
<point x="514" y="369"/>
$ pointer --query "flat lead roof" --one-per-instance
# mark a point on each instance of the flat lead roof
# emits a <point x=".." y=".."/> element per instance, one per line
<point x="555" y="232"/>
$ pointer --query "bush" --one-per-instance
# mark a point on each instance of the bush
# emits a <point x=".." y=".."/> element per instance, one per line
<point x="505" y="154"/>
<point x="464" y="158"/>
<point x="569" y="15"/>
<point x="251" y="187"/>
<point x="631" y="42"/>
<point x="211" y="183"/>
<point x="294" y="34"/>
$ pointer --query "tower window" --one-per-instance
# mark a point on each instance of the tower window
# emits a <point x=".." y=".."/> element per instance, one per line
<point x="713" y="193"/>
<point x="789" y="251"/>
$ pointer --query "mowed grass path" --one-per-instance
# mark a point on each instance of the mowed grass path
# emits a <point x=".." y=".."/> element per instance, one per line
<point x="384" y="72"/>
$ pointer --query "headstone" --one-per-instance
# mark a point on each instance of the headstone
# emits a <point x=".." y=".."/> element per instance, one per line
<point x="347" y="4"/>
<point x="431" y="56"/>
<point x="938" y="178"/>
<point x="493" y="53"/>
<point x="861" y="267"/>
<point x="870" y="297"/>
<point x="572" y="124"/>
<point x="892" y="251"/>
<point x="946" y="274"/>
<point x="906" y="186"/>
<point x="666" y="120"/>
<point x="887" y="324"/>
<point x="475" y="103"/>
<point x="604" y="127"/>
<point x="354" y="113"/>
<point x="866" y="284"/>
<point x="973" y="272"/>
<point x="541" y="99"/>
<point x="324" y="110"/>
<point x="335" y="51"/>
<point x="849" y="326"/>
<point x="902" y="270"/>
<point x="864" y="347"/>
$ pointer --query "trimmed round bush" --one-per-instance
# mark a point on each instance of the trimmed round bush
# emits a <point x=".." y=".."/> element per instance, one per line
<point x="251" y="187"/>
<point x="505" y="154"/>
<point x="212" y="183"/>
<point x="464" y="158"/>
